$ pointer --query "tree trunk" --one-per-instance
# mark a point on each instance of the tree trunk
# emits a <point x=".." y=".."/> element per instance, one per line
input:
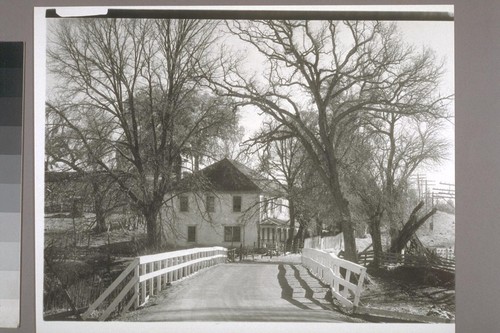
<point x="350" y="252"/>
<point x="376" y="238"/>
<point x="152" y="228"/>
<point x="319" y="226"/>
<point x="393" y="222"/>
<point x="291" y="233"/>
<point x="196" y="163"/>
<point x="297" y="242"/>
<point x="410" y="227"/>
<point x="342" y="205"/>
<point x="346" y="223"/>
<point x="98" y="210"/>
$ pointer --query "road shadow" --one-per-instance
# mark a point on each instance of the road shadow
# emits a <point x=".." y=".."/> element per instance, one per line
<point x="287" y="290"/>
<point x="309" y="292"/>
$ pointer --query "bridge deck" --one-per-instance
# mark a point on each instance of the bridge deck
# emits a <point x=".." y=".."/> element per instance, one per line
<point x="248" y="291"/>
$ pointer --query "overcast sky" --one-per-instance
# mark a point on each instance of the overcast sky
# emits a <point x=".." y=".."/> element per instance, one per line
<point x="440" y="37"/>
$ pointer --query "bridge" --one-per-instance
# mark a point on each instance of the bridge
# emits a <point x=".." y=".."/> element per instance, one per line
<point x="202" y="285"/>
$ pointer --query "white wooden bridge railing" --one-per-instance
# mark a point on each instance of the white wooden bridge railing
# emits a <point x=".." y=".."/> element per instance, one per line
<point x="148" y="275"/>
<point x="344" y="277"/>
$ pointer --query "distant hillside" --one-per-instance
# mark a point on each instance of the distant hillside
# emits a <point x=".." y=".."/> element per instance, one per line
<point x="443" y="232"/>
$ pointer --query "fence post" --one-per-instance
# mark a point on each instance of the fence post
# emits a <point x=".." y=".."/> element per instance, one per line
<point x="357" y="296"/>
<point x="336" y="271"/>
<point x="136" y="287"/>
<point x="143" y="284"/>
<point x="158" y="278"/>
<point x="165" y="276"/>
<point x="151" y="281"/>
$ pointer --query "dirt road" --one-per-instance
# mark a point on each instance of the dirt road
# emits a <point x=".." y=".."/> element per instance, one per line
<point x="247" y="291"/>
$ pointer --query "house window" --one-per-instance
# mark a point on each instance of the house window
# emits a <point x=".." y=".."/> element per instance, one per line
<point x="210" y="203"/>
<point x="191" y="234"/>
<point x="237" y="203"/>
<point x="184" y="203"/>
<point x="232" y="234"/>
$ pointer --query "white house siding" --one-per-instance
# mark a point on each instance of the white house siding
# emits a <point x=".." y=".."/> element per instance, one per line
<point x="210" y="226"/>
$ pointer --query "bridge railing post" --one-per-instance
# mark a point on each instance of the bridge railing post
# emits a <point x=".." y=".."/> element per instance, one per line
<point x="136" y="287"/>
<point x="143" y="284"/>
<point x="151" y="281"/>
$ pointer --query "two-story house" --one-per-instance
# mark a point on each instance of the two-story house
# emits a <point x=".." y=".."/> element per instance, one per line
<point x="232" y="206"/>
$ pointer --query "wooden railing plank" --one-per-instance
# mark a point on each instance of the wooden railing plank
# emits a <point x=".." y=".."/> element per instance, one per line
<point x="111" y="288"/>
<point x="346" y="284"/>
<point x="344" y="301"/>
<point x="154" y="274"/>
<point x="117" y="300"/>
<point x="180" y="253"/>
<point x="327" y="267"/>
<point x="357" y="292"/>
<point x="143" y="284"/>
<point x="131" y="301"/>
<point x="137" y="273"/>
<point x="338" y="279"/>
<point x="151" y="282"/>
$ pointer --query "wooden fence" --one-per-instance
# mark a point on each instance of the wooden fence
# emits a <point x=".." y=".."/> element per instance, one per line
<point x="445" y="252"/>
<point x="147" y="275"/>
<point x="344" y="277"/>
<point x="442" y="264"/>
<point x="332" y="243"/>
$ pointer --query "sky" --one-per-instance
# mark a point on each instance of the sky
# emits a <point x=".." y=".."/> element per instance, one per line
<point x="438" y="36"/>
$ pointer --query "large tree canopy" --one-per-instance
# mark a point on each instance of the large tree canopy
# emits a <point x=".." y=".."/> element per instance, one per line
<point x="129" y="90"/>
<point x="337" y="72"/>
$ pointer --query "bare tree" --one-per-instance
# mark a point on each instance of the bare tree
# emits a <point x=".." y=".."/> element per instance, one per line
<point x="399" y="144"/>
<point x="283" y="160"/>
<point x="65" y="152"/>
<point x="386" y="153"/>
<point x="135" y="80"/>
<point x="334" y="71"/>
<point x="219" y="136"/>
<point x="364" y="185"/>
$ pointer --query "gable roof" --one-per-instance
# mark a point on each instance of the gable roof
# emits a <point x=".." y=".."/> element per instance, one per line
<point x="231" y="176"/>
